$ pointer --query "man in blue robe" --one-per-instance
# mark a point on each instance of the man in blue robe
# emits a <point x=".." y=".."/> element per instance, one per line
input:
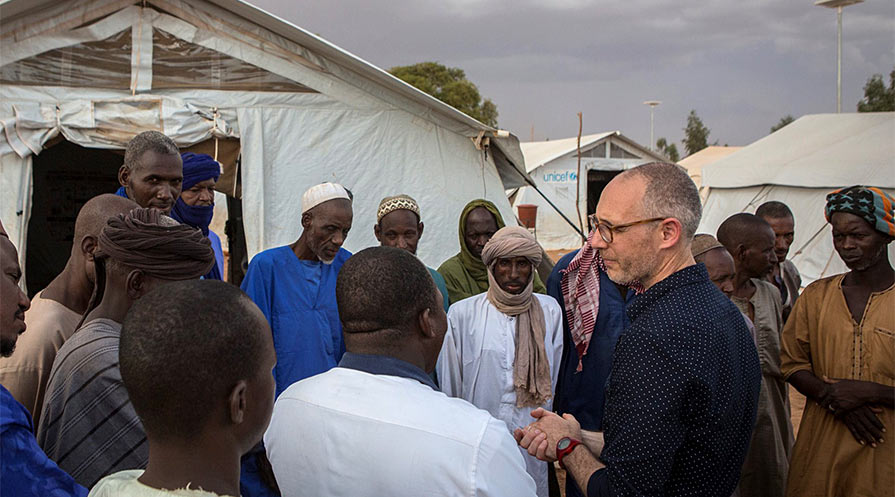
<point x="295" y="288"/>
<point x="195" y="206"/>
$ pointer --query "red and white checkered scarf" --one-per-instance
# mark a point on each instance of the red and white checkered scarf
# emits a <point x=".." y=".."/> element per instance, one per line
<point x="581" y="293"/>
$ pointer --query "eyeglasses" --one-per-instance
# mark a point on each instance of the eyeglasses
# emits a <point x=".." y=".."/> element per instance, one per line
<point x="607" y="231"/>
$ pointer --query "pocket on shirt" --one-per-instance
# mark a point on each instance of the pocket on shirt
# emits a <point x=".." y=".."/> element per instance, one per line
<point x="882" y="355"/>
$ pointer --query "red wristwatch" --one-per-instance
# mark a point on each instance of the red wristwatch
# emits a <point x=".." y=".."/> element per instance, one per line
<point x="564" y="447"/>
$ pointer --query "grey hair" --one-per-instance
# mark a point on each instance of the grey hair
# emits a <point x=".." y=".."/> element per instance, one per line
<point x="144" y="142"/>
<point x="670" y="193"/>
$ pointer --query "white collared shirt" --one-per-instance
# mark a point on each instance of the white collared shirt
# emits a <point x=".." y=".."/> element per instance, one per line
<point x="354" y="434"/>
<point x="476" y="364"/>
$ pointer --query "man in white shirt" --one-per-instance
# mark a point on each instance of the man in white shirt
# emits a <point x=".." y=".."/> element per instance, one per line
<point x="503" y="348"/>
<point x="375" y="425"/>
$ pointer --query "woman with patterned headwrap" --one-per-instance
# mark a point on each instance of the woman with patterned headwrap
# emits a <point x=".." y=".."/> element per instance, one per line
<point x="195" y="206"/>
<point x="838" y="349"/>
<point x="464" y="273"/>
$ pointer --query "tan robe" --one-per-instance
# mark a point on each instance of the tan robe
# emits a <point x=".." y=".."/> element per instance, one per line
<point x="26" y="371"/>
<point x="822" y="337"/>
<point x="767" y="462"/>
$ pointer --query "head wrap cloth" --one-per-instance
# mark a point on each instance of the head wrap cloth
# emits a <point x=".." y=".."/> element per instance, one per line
<point x="198" y="168"/>
<point x="396" y="203"/>
<point x="869" y="203"/>
<point x="148" y="240"/>
<point x="324" y="192"/>
<point x="531" y="370"/>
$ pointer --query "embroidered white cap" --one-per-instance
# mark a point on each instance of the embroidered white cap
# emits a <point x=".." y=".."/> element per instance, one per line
<point x="323" y="192"/>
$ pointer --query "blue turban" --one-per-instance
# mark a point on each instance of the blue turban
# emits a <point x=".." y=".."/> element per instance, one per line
<point x="196" y="169"/>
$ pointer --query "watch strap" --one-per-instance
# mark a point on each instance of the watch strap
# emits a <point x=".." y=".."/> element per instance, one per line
<point x="561" y="453"/>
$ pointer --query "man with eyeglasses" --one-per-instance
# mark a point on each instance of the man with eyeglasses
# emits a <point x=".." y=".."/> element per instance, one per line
<point x="683" y="388"/>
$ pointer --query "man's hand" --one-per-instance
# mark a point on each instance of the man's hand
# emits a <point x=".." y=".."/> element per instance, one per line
<point x="845" y="395"/>
<point x="863" y="424"/>
<point x="540" y="437"/>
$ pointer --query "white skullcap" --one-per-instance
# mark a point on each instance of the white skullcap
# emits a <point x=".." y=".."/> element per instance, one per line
<point x="323" y="192"/>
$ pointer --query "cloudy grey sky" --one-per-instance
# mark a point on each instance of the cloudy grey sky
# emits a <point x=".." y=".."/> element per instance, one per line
<point x="741" y="64"/>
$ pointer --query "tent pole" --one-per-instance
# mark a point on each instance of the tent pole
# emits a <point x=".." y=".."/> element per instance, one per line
<point x="572" y="224"/>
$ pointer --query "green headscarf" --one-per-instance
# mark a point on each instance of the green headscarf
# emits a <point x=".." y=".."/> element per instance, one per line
<point x="464" y="274"/>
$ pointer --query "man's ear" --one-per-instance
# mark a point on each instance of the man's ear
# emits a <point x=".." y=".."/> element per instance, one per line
<point x="136" y="284"/>
<point x="377" y="231"/>
<point x="419" y="229"/>
<point x="672" y="230"/>
<point x="124" y="175"/>
<point x="237" y="402"/>
<point x="88" y="246"/>
<point x="306" y="220"/>
<point x="425" y="323"/>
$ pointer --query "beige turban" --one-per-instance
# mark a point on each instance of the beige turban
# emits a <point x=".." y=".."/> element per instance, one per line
<point x="531" y="370"/>
<point x="396" y="203"/>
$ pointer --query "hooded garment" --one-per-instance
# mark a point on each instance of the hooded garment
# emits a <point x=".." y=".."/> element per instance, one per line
<point x="466" y="275"/>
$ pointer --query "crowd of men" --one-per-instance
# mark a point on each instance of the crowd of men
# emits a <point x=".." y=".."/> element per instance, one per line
<point x="655" y="360"/>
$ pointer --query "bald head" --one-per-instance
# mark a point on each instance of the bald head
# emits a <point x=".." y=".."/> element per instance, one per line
<point x="96" y="212"/>
<point x="750" y="240"/>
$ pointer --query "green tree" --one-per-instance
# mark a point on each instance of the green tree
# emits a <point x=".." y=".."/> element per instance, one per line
<point x="878" y="98"/>
<point x="449" y="84"/>
<point x="696" y="134"/>
<point x="668" y="149"/>
<point x="783" y="122"/>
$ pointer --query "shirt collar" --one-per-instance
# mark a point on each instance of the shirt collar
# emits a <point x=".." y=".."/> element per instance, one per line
<point x="687" y="276"/>
<point x="385" y="365"/>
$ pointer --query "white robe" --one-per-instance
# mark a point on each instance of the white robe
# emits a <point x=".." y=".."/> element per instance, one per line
<point x="476" y="364"/>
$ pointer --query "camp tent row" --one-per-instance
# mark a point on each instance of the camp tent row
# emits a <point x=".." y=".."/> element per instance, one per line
<point x="553" y="166"/>
<point x="281" y="109"/>
<point x="799" y="165"/>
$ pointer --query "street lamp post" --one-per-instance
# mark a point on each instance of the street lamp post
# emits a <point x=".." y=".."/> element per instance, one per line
<point x="652" y="106"/>
<point x="838" y="5"/>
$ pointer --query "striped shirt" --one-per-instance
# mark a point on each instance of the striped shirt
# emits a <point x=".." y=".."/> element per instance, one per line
<point x="88" y="425"/>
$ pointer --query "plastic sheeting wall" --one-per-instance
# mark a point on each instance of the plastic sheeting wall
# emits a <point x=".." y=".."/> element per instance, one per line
<point x="812" y="248"/>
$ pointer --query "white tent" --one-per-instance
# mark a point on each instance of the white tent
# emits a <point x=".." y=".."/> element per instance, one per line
<point x="553" y="165"/>
<point x="300" y="110"/>
<point x="798" y="165"/>
<point x="694" y="163"/>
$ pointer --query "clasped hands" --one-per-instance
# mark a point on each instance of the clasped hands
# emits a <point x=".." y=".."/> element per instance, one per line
<point x="541" y="436"/>
<point x="848" y="402"/>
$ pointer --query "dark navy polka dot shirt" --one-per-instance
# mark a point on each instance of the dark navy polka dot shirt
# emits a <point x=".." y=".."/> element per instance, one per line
<point x="682" y="394"/>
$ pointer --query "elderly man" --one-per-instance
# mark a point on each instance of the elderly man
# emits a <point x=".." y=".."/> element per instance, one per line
<point x="682" y="392"/>
<point x="57" y="309"/>
<point x="398" y="225"/>
<point x="295" y="287"/>
<point x="838" y="351"/>
<point x="195" y="206"/>
<point x="152" y="172"/>
<point x="25" y="471"/>
<point x="88" y="425"/>
<point x="204" y="406"/>
<point x="503" y="347"/>
<point x="464" y="273"/>
<point x="785" y="276"/>
<point x="750" y="240"/>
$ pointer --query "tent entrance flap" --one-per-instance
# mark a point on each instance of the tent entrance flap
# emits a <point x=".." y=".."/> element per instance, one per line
<point x="65" y="176"/>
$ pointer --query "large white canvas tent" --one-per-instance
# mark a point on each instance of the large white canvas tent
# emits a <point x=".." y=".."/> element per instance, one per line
<point x="695" y="163"/>
<point x="553" y="165"/>
<point x="283" y="109"/>
<point x="798" y="165"/>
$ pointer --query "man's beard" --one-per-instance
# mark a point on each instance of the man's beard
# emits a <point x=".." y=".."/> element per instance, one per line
<point x="873" y="260"/>
<point x="7" y="347"/>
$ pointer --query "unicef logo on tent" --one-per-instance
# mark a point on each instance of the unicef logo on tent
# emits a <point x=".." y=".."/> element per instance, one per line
<point x="560" y="177"/>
